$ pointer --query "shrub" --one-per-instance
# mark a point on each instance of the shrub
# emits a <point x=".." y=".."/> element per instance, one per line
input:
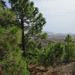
<point x="69" y="52"/>
<point x="46" y="57"/>
<point x="58" y="51"/>
<point x="12" y="61"/>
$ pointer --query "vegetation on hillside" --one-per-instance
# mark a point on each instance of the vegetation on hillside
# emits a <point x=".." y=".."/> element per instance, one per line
<point x="18" y="26"/>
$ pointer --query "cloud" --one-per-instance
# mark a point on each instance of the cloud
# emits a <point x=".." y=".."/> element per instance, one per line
<point x="59" y="14"/>
<point x="55" y="7"/>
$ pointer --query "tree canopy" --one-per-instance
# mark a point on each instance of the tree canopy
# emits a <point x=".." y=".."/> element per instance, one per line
<point x="31" y="21"/>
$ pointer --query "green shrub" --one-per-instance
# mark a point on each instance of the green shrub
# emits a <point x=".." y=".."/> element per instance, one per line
<point x="69" y="49"/>
<point x="14" y="64"/>
<point x="69" y="52"/>
<point x="46" y="57"/>
<point x="11" y="54"/>
<point x="59" y="51"/>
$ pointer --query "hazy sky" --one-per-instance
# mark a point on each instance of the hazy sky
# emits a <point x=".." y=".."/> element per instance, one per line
<point x="59" y="14"/>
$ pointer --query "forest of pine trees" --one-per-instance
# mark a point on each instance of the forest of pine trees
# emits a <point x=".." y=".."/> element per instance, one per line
<point x="18" y="25"/>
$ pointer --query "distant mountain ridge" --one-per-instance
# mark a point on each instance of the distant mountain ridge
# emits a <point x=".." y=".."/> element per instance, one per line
<point x="59" y="35"/>
<point x="51" y="33"/>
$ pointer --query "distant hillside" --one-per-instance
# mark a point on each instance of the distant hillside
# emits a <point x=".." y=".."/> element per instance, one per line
<point x="59" y="35"/>
<point x="53" y="37"/>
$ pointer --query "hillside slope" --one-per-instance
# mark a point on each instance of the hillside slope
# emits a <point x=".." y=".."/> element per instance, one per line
<point x="65" y="69"/>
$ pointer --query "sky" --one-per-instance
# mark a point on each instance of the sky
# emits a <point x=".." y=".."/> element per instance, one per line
<point x="59" y="14"/>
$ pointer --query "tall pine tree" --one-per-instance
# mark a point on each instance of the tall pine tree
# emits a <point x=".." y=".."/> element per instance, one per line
<point x="31" y="21"/>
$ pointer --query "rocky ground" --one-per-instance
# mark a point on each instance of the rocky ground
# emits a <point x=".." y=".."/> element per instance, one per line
<point x="65" y="69"/>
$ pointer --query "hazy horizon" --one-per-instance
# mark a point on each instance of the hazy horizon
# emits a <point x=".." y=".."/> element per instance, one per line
<point x="59" y="14"/>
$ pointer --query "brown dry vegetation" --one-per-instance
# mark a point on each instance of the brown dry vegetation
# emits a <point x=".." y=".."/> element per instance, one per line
<point x="65" y="69"/>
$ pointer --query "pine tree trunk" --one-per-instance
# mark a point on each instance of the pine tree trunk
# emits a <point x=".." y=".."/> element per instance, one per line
<point x="68" y="55"/>
<point x="68" y="52"/>
<point x="23" y="40"/>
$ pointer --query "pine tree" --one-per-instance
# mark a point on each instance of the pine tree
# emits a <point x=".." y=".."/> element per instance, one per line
<point x="68" y="40"/>
<point x="31" y="21"/>
<point x="7" y="17"/>
<point x="58" y="51"/>
<point x="2" y="3"/>
<point x="10" y="53"/>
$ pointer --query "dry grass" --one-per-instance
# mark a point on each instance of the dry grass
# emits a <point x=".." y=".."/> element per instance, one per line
<point x="66" y="69"/>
